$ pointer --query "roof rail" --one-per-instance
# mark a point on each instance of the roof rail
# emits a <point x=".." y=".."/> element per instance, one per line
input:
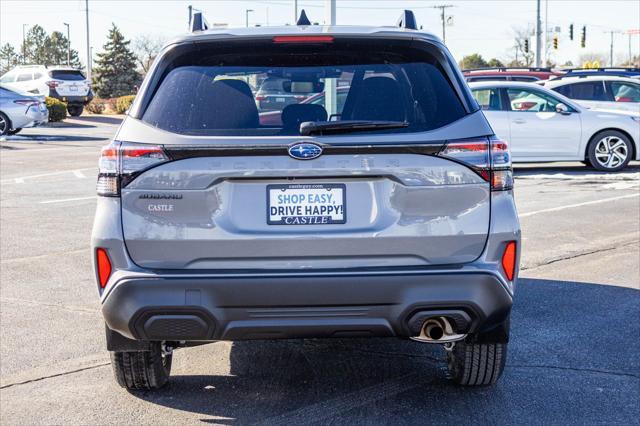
<point x="603" y="69"/>
<point x="407" y="20"/>
<point x="198" y="23"/>
<point x="303" y="19"/>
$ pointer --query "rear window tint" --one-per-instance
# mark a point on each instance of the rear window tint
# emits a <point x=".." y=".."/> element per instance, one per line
<point x="67" y="75"/>
<point x="271" y="91"/>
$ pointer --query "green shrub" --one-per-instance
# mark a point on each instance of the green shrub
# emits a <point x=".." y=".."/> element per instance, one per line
<point x="96" y="106"/>
<point x="123" y="103"/>
<point x="57" y="109"/>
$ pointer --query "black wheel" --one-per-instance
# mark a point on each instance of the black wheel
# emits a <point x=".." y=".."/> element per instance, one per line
<point x="5" y="124"/>
<point x="476" y="364"/>
<point x="13" y="132"/>
<point x="74" y="110"/>
<point x="609" y="151"/>
<point x="144" y="370"/>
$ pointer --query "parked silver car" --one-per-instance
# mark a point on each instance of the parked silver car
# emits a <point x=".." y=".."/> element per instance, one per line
<point x="19" y="110"/>
<point x="389" y="215"/>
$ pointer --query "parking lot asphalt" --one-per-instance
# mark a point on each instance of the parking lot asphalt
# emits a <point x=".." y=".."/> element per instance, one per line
<point x="573" y="357"/>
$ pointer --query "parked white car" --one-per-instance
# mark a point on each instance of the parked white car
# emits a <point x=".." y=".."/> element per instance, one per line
<point x="64" y="83"/>
<point x="600" y="91"/>
<point x="542" y="125"/>
<point x="19" y="110"/>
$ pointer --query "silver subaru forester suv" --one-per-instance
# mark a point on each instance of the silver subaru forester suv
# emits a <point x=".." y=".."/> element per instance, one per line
<point x="378" y="204"/>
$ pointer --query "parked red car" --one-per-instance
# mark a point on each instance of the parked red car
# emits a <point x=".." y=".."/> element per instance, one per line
<point x="512" y="74"/>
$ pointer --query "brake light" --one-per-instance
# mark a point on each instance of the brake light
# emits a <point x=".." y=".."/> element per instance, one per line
<point x="303" y="39"/>
<point x="260" y="98"/>
<point x="489" y="157"/>
<point x="104" y="266"/>
<point x="509" y="260"/>
<point x="27" y="102"/>
<point x="53" y="84"/>
<point x="121" y="162"/>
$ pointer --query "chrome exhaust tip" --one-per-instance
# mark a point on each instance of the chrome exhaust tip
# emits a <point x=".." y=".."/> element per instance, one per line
<point x="438" y="330"/>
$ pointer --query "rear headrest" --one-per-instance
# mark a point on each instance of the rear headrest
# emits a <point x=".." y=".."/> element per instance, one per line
<point x="229" y="105"/>
<point x="294" y="114"/>
<point x="377" y="98"/>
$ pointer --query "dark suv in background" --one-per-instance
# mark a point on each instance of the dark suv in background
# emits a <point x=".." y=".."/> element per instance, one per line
<point x="390" y="214"/>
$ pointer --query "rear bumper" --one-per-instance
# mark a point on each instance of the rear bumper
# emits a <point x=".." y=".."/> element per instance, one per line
<point x="72" y="99"/>
<point x="241" y="307"/>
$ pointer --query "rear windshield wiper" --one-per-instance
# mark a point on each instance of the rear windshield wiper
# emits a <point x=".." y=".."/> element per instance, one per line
<point x="347" y="126"/>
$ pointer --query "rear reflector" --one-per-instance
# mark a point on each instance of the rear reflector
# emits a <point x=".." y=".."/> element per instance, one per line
<point x="303" y="39"/>
<point x="509" y="260"/>
<point x="104" y="266"/>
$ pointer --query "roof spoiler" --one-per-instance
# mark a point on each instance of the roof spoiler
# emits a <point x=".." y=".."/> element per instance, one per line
<point x="198" y="23"/>
<point x="407" y="20"/>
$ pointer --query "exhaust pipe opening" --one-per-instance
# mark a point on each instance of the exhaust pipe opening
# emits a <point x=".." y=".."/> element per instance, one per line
<point x="438" y="330"/>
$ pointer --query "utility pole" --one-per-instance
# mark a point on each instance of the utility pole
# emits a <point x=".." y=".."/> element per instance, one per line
<point x="443" y="8"/>
<point x="190" y="16"/>
<point x="89" y="61"/>
<point x="68" y="45"/>
<point x="24" y="47"/>
<point x="246" y="16"/>
<point x="538" y="36"/>
<point x="295" y="11"/>
<point x="611" y="33"/>
<point x="546" y="32"/>
<point x="330" y="84"/>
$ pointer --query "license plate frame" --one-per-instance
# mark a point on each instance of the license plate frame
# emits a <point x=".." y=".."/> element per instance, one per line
<point x="310" y="219"/>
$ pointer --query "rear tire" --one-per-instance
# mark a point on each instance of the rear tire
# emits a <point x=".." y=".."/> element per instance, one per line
<point x="5" y="124"/>
<point x="14" y="131"/>
<point x="609" y="151"/>
<point x="143" y="370"/>
<point x="476" y="364"/>
<point x="75" y="111"/>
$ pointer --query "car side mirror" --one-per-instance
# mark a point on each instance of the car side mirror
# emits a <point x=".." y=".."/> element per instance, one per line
<point x="562" y="109"/>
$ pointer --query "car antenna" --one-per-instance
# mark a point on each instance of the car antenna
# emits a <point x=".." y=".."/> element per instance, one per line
<point x="198" y="23"/>
<point x="303" y="20"/>
<point x="407" y="20"/>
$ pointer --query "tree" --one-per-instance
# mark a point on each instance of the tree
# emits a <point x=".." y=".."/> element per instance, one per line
<point x="9" y="58"/>
<point x="522" y="57"/>
<point x="495" y="63"/>
<point x="146" y="49"/>
<point x="473" y="61"/>
<point x="43" y="49"/>
<point x="115" y="73"/>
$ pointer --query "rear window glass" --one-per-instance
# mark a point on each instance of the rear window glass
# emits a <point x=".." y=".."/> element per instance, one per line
<point x="67" y="75"/>
<point x="273" y="92"/>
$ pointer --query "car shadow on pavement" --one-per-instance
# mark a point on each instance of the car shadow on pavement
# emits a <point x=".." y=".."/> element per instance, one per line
<point x="573" y="169"/>
<point x="100" y="119"/>
<point x="573" y="358"/>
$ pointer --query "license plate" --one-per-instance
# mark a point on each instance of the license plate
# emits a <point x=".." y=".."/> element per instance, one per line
<point x="74" y="88"/>
<point x="307" y="204"/>
<point x="281" y="100"/>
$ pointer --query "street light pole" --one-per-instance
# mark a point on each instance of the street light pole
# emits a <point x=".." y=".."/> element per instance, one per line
<point x="68" y="45"/>
<point x="24" y="47"/>
<point x="246" y="16"/>
<point x="295" y="11"/>
<point x="86" y="3"/>
<point x="538" y="36"/>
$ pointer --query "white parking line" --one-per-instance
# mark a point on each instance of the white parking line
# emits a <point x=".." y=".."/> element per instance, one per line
<point x="68" y="199"/>
<point x="76" y="172"/>
<point x="570" y="206"/>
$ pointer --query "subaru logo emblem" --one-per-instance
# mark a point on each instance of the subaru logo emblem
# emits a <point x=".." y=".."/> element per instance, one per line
<point x="305" y="151"/>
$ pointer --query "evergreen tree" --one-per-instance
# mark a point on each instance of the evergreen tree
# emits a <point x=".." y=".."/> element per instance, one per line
<point x="9" y="58"/>
<point x="43" y="49"/>
<point x="115" y="73"/>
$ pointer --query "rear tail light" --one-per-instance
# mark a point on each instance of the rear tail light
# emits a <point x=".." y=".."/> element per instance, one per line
<point x="53" y="84"/>
<point x="121" y="162"/>
<point x="489" y="157"/>
<point x="103" y="264"/>
<point x="260" y="98"/>
<point x="509" y="260"/>
<point x="27" y="102"/>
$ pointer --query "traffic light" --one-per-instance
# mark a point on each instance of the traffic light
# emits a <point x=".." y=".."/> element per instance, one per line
<point x="583" y="39"/>
<point x="555" y="42"/>
<point x="571" y="32"/>
<point x="526" y="46"/>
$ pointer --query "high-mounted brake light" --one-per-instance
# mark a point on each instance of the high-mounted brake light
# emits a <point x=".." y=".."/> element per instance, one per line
<point x="103" y="266"/>
<point x="120" y="162"/>
<point x="303" y="39"/>
<point x="489" y="157"/>
<point x="509" y="260"/>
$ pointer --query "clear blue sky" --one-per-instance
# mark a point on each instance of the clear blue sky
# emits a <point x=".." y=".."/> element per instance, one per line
<point x="478" y="26"/>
